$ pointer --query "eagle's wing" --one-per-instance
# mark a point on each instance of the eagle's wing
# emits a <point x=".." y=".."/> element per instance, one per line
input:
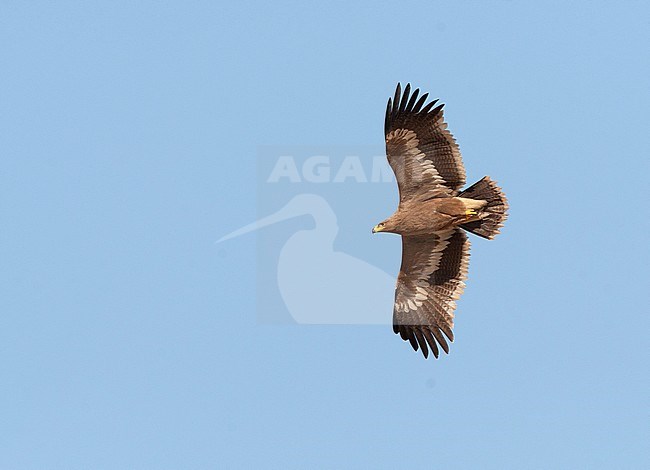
<point x="430" y="281"/>
<point x="422" y="152"/>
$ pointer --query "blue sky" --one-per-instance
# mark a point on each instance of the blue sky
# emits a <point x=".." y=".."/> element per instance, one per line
<point x="130" y="138"/>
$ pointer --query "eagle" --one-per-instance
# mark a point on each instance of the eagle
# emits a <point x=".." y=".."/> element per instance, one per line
<point x="432" y="217"/>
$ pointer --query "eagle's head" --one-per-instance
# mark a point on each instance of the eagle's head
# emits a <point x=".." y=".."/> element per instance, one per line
<point x="388" y="225"/>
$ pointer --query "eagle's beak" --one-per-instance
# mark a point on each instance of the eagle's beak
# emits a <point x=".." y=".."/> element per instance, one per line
<point x="376" y="229"/>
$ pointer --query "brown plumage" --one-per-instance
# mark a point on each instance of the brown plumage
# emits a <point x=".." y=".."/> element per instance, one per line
<point x="431" y="216"/>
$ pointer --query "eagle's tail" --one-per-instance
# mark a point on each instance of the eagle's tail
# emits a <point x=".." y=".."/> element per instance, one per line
<point x="493" y="215"/>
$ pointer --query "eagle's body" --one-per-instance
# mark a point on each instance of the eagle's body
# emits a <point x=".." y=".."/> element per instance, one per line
<point x="427" y="217"/>
<point x="432" y="217"/>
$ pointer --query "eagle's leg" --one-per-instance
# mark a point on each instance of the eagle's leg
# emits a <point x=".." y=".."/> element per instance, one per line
<point x="472" y="208"/>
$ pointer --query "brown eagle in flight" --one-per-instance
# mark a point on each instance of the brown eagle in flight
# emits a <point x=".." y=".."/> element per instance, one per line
<point x="432" y="218"/>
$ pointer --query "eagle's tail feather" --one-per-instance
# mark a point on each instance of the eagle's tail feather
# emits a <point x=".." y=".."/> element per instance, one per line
<point x="493" y="214"/>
